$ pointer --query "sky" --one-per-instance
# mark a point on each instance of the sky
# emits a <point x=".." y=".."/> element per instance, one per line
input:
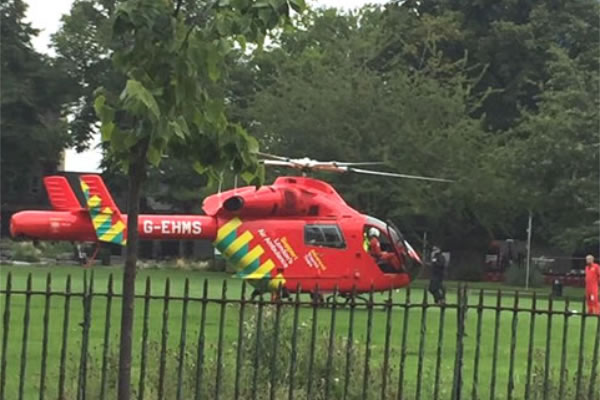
<point x="45" y="15"/>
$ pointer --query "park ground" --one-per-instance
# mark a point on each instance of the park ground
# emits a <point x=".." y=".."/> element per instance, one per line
<point x="545" y="336"/>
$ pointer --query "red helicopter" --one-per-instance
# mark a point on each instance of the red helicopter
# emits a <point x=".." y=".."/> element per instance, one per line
<point x="296" y="232"/>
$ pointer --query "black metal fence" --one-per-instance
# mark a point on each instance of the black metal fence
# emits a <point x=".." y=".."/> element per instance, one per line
<point x="195" y="344"/>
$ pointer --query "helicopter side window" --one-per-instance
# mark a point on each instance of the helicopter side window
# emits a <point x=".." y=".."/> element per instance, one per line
<point x="324" y="235"/>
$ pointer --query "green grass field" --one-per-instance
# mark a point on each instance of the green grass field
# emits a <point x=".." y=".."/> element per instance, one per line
<point x="230" y="334"/>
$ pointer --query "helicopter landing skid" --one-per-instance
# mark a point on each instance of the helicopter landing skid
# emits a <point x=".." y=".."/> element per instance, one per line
<point x="347" y="299"/>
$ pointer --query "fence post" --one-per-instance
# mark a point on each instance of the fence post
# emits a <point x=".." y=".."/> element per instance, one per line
<point x="275" y="342"/>
<point x="349" y="343"/>
<point x="548" y="341"/>
<point x="368" y="345"/>
<point x="240" y="342"/>
<point x="65" y="335"/>
<point x="256" y="360"/>
<point x="331" y="341"/>
<point x="438" y="361"/>
<point x="495" y="353"/>
<point x="460" y="334"/>
<point x="220" y="341"/>
<point x="45" y="336"/>
<point x="563" y="356"/>
<point x="164" y="338"/>
<point x="182" y="338"/>
<point x="144" y="356"/>
<point x="88" y="291"/>
<point x="386" y="346"/>
<point x="530" y="347"/>
<point x="422" y="335"/>
<point x="5" y="331"/>
<point x="294" y="351"/>
<point x="404" y="338"/>
<point x="594" y="373"/>
<point x="201" y="342"/>
<point x="25" y="338"/>
<point x="513" y="343"/>
<point x="474" y="394"/>
<point x="581" y="346"/>
<point x="313" y="337"/>
<point x="109" y="296"/>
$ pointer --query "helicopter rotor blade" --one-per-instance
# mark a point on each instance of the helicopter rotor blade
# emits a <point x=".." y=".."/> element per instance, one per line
<point x="395" y="175"/>
<point x="272" y="156"/>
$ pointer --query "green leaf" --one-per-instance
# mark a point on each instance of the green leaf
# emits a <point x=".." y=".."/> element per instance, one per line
<point x="135" y="93"/>
<point x="212" y="58"/>
<point x="99" y="104"/>
<point x="199" y="168"/>
<point x="297" y="5"/>
<point x="253" y="146"/>
<point x="106" y="130"/>
<point x="154" y="155"/>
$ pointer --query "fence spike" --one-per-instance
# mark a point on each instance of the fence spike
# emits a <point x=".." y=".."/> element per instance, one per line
<point x="404" y="339"/>
<point x="274" y="372"/>
<point x="219" y="376"/>
<point x="109" y="295"/>
<point x="256" y="360"/>
<point x="164" y="340"/>
<point x="182" y="338"/>
<point x="368" y="344"/>
<point x="438" y="360"/>
<point x="349" y="342"/>
<point x="580" y="357"/>
<point x="144" y="355"/>
<point x="563" y="355"/>
<point x="5" y="332"/>
<point x="386" y="346"/>
<point x="240" y="342"/>
<point x="496" y="336"/>
<point x="594" y="372"/>
<point x="474" y="391"/>
<point x="313" y="338"/>
<point x="25" y="338"/>
<point x="547" y="358"/>
<point x="422" y="331"/>
<point x="294" y="351"/>
<point x="46" y="321"/>
<point x="330" y="344"/>
<point x="201" y="342"/>
<point x="513" y="343"/>
<point x="65" y="335"/>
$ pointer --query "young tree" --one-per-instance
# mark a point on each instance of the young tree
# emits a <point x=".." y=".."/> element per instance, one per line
<point x="171" y="55"/>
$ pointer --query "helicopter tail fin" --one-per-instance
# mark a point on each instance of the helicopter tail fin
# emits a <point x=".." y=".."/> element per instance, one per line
<point x="108" y="222"/>
<point x="61" y="194"/>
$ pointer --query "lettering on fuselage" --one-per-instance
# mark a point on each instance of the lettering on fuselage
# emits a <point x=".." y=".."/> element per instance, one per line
<point x="170" y="227"/>
<point x="280" y="248"/>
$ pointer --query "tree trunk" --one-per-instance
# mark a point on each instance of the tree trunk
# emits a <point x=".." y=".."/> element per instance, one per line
<point x="136" y="176"/>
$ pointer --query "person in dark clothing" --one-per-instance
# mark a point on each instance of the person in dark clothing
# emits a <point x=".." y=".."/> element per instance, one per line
<point x="436" y="284"/>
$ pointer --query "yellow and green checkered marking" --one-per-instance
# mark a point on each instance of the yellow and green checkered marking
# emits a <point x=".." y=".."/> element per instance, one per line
<point x="106" y="231"/>
<point x="236" y="248"/>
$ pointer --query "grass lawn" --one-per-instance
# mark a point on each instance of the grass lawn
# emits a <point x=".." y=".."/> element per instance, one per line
<point x="432" y="320"/>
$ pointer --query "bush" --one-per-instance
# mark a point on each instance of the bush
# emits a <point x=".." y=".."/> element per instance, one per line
<point x="26" y="251"/>
<point x="515" y="276"/>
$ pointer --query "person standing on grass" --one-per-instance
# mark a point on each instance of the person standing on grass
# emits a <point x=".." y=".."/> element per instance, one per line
<point x="436" y="284"/>
<point x="592" y="280"/>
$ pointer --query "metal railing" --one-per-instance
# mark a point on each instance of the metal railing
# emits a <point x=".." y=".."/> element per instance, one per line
<point x="192" y="343"/>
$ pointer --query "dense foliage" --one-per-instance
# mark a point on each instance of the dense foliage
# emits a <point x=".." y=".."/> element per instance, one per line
<point x="502" y="97"/>
<point x="34" y="90"/>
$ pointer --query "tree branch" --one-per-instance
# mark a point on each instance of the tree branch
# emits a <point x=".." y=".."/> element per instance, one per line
<point x="179" y="2"/>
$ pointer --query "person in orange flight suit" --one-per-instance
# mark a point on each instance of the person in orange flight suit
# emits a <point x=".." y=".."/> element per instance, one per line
<point x="592" y="280"/>
<point x="380" y="255"/>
